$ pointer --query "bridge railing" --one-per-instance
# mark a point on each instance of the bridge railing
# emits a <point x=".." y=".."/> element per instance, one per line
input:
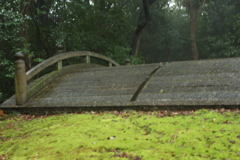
<point x="24" y="92"/>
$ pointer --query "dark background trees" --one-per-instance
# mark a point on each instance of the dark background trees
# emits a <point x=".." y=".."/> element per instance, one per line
<point x="170" y="30"/>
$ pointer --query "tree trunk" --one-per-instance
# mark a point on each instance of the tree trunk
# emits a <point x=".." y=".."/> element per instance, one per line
<point x="136" y="42"/>
<point x="193" y="32"/>
<point x="26" y="12"/>
<point x="169" y="53"/>
<point x="143" y="20"/>
<point x="195" y="8"/>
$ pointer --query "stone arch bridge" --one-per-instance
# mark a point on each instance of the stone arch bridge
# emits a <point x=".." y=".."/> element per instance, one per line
<point x="85" y="86"/>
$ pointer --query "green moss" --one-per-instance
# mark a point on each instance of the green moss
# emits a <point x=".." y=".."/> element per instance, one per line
<point x="203" y="135"/>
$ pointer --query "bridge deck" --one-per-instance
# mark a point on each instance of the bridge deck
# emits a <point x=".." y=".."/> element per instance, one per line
<point x="190" y="83"/>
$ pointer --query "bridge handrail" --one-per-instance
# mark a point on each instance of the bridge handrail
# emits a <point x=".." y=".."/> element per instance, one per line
<point x="22" y="77"/>
<point x="62" y="56"/>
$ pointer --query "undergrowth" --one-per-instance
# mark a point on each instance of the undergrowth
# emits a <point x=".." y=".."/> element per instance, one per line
<point x="203" y="134"/>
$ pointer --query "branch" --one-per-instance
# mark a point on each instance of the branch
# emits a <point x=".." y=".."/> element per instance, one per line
<point x="200" y="9"/>
<point x="146" y="9"/>
<point x="144" y="16"/>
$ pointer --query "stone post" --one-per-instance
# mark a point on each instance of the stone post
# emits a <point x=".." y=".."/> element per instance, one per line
<point x="60" y="50"/>
<point x="88" y="59"/>
<point x="20" y="79"/>
<point x="127" y="62"/>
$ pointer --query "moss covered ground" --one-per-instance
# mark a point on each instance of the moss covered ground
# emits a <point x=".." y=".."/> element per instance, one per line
<point x="203" y="134"/>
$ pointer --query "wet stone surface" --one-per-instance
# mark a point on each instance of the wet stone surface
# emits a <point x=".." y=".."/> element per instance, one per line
<point x="209" y="81"/>
<point x="189" y="83"/>
<point x="93" y="87"/>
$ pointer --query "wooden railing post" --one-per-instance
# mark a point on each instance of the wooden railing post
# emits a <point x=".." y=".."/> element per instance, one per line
<point x="109" y="64"/>
<point x="20" y="79"/>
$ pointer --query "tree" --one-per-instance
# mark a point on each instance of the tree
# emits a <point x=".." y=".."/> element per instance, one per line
<point x="217" y="28"/>
<point x="26" y="11"/>
<point x="194" y="7"/>
<point x="11" y="22"/>
<point x="160" y="35"/>
<point x="143" y="19"/>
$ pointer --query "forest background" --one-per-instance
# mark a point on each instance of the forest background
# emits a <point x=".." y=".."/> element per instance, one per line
<point x="145" y="31"/>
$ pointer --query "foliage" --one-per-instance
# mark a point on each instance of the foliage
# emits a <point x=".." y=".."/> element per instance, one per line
<point x="90" y="27"/>
<point x="10" y="24"/>
<point x="217" y="30"/>
<point x="120" y="55"/>
<point x="134" y="135"/>
<point x="168" y="31"/>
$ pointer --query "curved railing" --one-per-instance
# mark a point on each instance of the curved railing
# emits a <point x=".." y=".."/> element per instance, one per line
<point x="24" y="92"/>
<point x="58" y="59"/>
